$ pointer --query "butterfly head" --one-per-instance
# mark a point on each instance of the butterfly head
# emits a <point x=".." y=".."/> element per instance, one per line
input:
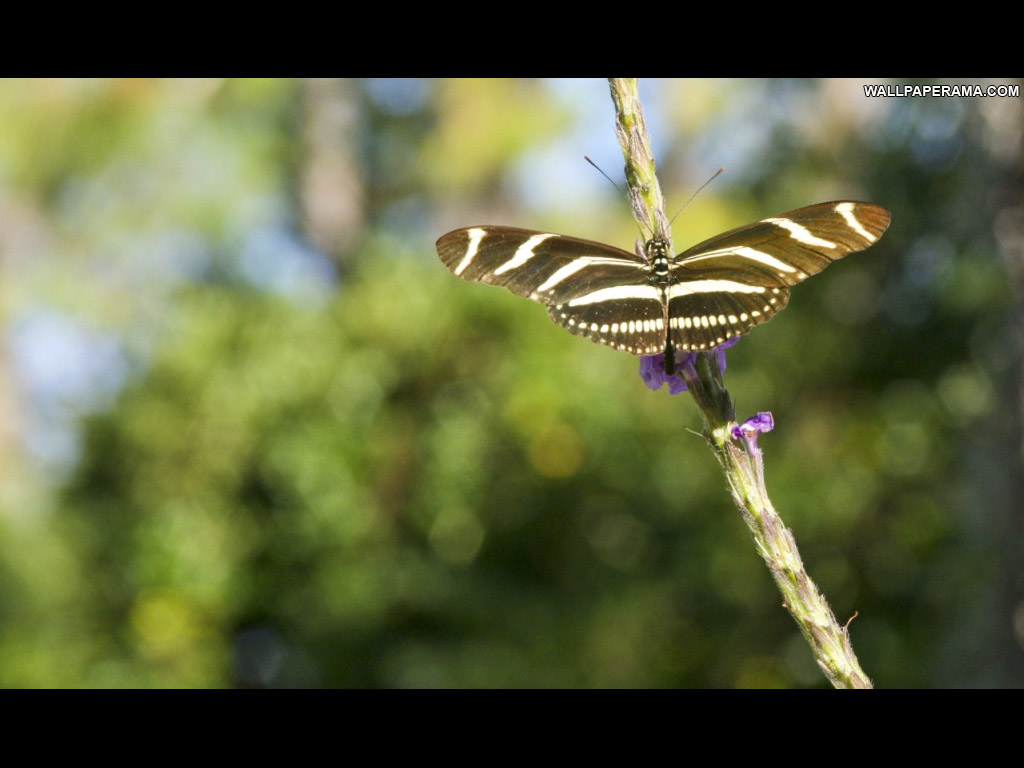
<point x="658" y="253"/>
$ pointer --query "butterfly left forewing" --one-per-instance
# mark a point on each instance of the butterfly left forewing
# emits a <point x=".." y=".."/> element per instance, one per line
<point x="542" y="266"/>
<point x="590" y="289"/>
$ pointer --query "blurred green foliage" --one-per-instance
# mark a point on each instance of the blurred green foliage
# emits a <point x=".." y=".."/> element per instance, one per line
<point x="336" y="465"/>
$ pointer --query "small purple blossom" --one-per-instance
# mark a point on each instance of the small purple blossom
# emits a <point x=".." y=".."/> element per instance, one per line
<point x="755" y="425"/>
<point x="652" y="369"/>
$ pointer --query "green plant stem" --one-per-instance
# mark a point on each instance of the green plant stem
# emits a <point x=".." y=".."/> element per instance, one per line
<point x="631" y="131"/>
<point x="740" y="458"/>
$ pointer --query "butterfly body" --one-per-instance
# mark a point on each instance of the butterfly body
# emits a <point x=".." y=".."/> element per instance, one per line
<point x="710" y="293"/>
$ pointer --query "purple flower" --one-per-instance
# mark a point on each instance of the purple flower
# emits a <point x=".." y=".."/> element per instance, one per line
<point x="652" y="369"/>
<point x="752" y="427"/>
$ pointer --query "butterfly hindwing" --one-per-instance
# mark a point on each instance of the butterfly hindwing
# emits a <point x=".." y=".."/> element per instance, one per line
<point x="705" y="319"/>
<point x="634" y="322"/>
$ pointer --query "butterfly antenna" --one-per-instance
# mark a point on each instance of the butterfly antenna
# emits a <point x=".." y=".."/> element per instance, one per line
<point x="617" y="187"/>
<point x="715" y="176"/>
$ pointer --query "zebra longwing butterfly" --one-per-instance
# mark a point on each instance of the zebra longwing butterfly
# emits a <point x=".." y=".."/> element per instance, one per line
<point x="713" y="292"/>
